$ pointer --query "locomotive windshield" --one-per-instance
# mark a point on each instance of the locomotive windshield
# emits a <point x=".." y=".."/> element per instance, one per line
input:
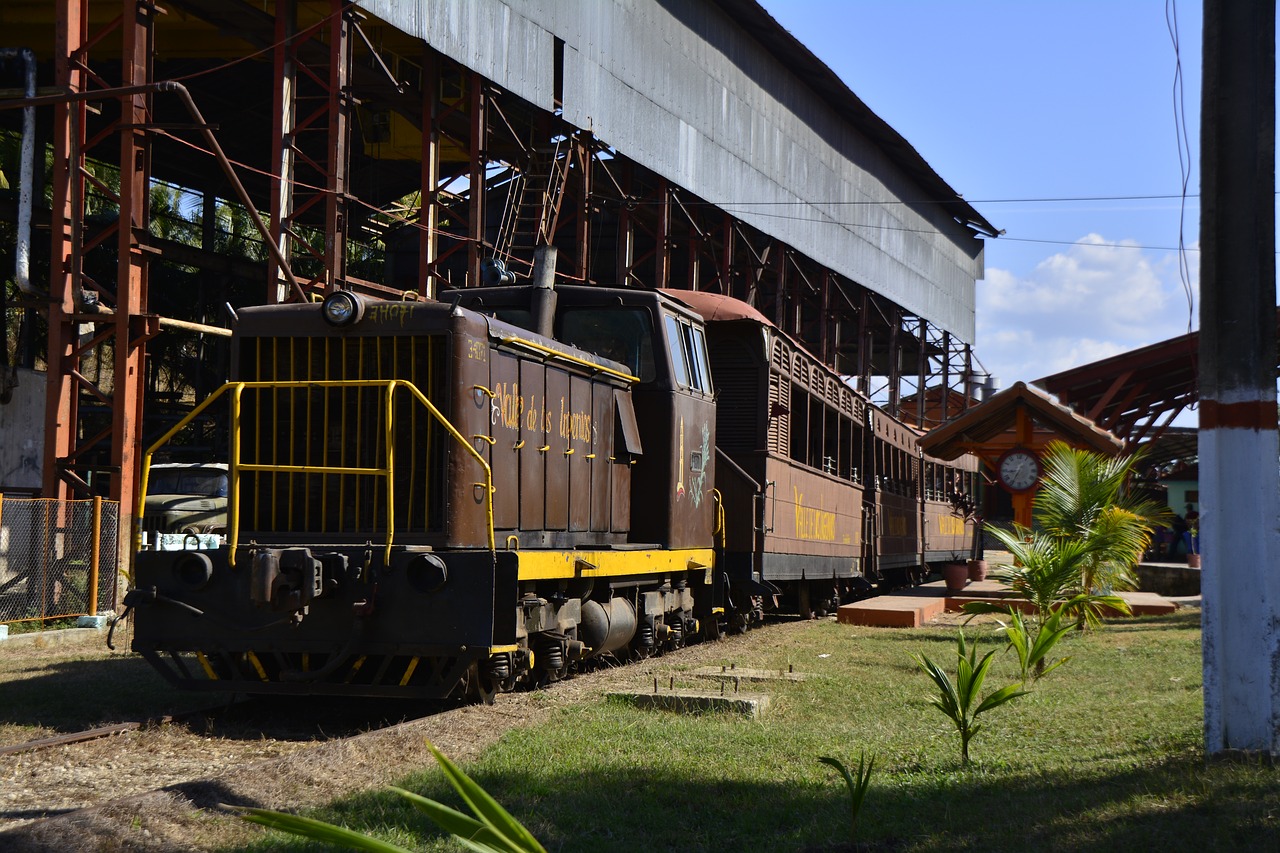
<point x="620" y="334"/>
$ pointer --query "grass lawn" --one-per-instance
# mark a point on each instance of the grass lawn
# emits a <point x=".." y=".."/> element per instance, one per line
<point x="1104" y="754"/>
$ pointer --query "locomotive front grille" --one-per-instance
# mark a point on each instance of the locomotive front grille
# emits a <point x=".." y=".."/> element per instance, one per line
<point x="324" y="426"/>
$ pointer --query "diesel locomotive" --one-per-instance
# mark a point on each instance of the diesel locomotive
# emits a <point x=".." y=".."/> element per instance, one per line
<point x="456" y="497"/>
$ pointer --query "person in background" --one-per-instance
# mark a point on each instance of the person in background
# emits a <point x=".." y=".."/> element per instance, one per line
<point x="1180" y="536"/>
<point x="1191" y="536"/>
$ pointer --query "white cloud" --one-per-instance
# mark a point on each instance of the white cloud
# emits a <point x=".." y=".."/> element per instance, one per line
<point x="1098" y="298"/>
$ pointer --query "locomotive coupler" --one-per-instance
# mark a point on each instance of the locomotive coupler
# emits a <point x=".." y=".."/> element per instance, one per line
<point x="286" y="579"/>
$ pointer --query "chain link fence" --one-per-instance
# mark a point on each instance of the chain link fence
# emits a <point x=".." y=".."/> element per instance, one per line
<point x="57" y="558"/>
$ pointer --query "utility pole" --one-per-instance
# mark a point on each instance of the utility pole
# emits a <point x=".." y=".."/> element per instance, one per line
<point x="1239" y="446"/>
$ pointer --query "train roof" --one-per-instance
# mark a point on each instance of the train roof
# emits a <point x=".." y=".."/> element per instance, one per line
<point x="717" y="306"/>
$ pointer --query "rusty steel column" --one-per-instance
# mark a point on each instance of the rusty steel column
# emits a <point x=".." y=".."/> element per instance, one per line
<point x="478" y="101"/>
<point x="625" y="254"/>
<point x="61" y="410"/>
<point x="780" y="295"/>
<point x="428" y="212"/>
<point x="895" y="358"/>
<point x="1239" y="445"/>
<point x="944" y="398"/>
<point x="864" y="342"/>
<point x="662" y="237"/>
<point x="132" y="325"/>
<point x="311" y="130"/>
<point x="336" y="212"/>
<point x="969" y="393"/>
<point x="825" y="342"/>
<point x="922" y="370"/>
<point x="726" y="255"/>
<point x="283" y="128"/>
<point x="697" y="241"/>
<point x="585" y="142"/>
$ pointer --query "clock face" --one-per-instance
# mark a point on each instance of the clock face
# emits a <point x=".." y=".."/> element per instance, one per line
<point x="1019" y="470"/>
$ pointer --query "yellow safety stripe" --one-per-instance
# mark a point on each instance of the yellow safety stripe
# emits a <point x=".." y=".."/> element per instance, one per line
<point x="552" y="565"/>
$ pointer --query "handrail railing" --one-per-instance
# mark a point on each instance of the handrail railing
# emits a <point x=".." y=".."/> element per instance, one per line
<point x="235" y="466"/>
<point x="567" y="357"/>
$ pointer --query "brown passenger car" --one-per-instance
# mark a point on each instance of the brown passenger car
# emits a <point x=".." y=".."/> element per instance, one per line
<point x="792" y="444"/>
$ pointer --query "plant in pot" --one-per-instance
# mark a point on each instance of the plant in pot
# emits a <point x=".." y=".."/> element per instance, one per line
<point x="966" y="506"/>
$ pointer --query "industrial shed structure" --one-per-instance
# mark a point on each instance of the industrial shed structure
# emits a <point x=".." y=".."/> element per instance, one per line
<point x="275" y="151"/>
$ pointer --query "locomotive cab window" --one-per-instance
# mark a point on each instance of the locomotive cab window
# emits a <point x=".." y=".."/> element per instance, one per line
<point x="688" y="348"/>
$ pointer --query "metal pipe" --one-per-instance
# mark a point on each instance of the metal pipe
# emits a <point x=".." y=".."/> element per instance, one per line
<point x="174" y="87"/>
<point x="95" y="558"/>
<point x="22" y="256"/>
<point x="203" y="328"/>
<point x="171" y="323"/>
<point x="544" y="294"/>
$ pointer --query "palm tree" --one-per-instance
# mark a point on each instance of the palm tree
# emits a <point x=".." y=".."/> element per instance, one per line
<point x="1090" y="534"/>
<point x="1083" y="496"/>
<point x="1048" y="573"/>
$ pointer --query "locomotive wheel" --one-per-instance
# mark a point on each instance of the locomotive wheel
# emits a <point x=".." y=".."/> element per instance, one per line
<point x="481" y="687"/>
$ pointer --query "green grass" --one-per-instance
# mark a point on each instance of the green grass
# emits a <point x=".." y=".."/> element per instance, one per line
<point x="1105" y="754"/>
<point x="31" y="626"/>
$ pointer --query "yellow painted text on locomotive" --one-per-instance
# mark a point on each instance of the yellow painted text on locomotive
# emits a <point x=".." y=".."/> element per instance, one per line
<point x="949" y="525"/>
<point x="813" y="523"/>
<point x="509" y="405"/>
<point x="575" y="425"/>
<point x="512" y="410"/>
<point x="390" y="313"/>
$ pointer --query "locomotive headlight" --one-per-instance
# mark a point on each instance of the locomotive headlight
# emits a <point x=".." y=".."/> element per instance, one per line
<point x="341" y="308"/>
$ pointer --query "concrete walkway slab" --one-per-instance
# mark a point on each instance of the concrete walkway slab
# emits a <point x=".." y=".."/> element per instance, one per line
<point x="911" y="608"/>
<point x="891" y="611"/>
<point x="690" y="701"/>
<point x="1148" y="603"/>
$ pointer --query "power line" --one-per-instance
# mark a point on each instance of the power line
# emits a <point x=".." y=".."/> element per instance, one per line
<point x="1184" y="156"/>
<point x="957" y="199"/>
<point x="1003" y="237"/>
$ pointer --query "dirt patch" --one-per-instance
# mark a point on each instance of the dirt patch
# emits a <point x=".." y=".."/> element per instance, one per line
<point x="166" y="789"/>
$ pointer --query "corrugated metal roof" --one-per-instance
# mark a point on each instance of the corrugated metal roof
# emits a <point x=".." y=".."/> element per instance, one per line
<point x="718" y="98"/>
<point x="818" y="76"/>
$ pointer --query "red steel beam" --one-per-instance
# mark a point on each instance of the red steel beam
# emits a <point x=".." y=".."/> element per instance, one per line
<point x="61" y="410"/>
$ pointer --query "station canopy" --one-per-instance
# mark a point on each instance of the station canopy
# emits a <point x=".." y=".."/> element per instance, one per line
<point x="1137" y="394"/>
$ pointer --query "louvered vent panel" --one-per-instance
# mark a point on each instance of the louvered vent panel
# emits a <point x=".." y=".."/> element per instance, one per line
<point x="737" y="398"/>
<point x="346" y="427"/>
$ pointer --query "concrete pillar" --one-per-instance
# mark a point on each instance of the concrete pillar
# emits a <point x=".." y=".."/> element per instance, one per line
<point x="1239" y="501"/>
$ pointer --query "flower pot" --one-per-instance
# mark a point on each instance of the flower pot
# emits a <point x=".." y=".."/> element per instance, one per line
<point x="977" y="570"/>
<point x="1193" y="561"/>
<point x="956" y="575"/>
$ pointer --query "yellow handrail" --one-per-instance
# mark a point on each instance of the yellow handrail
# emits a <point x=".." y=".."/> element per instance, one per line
<point x="235" y="466"/>
<point x="569" y="357"/>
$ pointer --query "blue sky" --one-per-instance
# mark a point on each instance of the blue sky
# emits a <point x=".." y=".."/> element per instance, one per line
<point x="1017" y="103"/>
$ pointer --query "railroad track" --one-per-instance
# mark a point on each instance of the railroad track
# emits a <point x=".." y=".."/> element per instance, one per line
<point x="99" y="732"/>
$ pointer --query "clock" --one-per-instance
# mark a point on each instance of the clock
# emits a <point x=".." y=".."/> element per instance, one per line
<point x="1018" y="470"/>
